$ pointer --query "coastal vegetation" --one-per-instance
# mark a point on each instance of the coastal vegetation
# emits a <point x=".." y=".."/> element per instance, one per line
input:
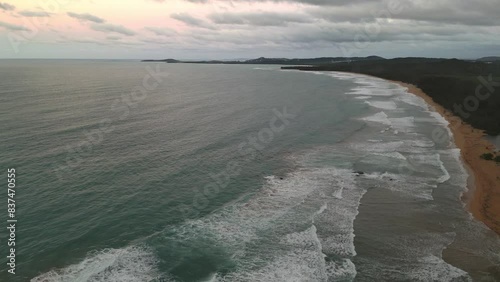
<point x="487" y="156"/>
<point x="491" y="157"/>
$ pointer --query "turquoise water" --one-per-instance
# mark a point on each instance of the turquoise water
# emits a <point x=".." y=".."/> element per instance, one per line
<point x="231" y="173"/>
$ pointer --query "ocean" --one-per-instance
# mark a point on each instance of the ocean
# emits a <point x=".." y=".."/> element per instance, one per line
<point x="129" y="171"/>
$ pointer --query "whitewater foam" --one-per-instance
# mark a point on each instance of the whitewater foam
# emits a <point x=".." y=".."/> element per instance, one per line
<point x="439" y="118"/>
<point x="304" y="262"/>
<point x="380" y="117"/>
<point x="385" y="105"/>
<point x="431" y="164"/>
<point x="411" y="99"/>
<point x="129" y="264"/>
<point x="265" y="235"/>
<point x="446" y="175"/>
<point x="403" y="123"/>
<point x="395" y="155"/>
<point x="433" y="268"/>
<point x="370" y="91"/>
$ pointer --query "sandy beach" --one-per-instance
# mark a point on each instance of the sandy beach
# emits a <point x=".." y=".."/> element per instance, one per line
<point x="483" y="199"/>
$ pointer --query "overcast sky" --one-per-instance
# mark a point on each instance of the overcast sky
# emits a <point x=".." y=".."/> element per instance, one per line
<point x="223" y="29"/>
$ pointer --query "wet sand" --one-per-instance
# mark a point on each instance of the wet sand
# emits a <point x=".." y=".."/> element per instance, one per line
<point x="483" y="199"/>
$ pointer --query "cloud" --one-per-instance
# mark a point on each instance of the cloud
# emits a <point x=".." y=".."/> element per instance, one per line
<point x="113" y="28"/>
<point x="326" y="35"/>
<point x="259" y="18"/>
<point x="155" y="41"/>
<point x="87" y="41"/>
<point x="387" y="27"/>
<point x="113" y="37"/>
<point x="192" y="1"/>
<point x="161" y="31"/>
<point x="34" y="14"/>
<point x="443" y="11"/>
<point x="191" y="21"/>
<point x="7" y="7"/>
<point x="301" y="27"/>
<point x="86" y="17"/>
<point x="453" y="12"/>
<point x="305" y="2"/>
<point x="13" y="27"/>
<point x="187" y="19"/>
<point x="483" y="12"/>
<point x="110" y="41"/>
<point x="99" y="24"/>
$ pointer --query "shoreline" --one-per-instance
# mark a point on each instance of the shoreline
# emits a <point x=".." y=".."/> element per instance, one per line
<point x="482" y="198"/>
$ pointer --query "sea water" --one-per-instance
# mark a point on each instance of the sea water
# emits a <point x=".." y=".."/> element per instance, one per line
<point x="231" y="173"/>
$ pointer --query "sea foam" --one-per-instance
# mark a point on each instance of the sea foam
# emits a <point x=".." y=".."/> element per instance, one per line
<point x="385" y="105"/>
<point x="129" y="264"/>
<point x="285" y="230"/>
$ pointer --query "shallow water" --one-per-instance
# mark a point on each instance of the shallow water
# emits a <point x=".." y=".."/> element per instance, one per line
<point x="232" y="173"/>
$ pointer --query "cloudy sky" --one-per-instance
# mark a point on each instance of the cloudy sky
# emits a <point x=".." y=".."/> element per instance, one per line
<point x="228" y="29"/>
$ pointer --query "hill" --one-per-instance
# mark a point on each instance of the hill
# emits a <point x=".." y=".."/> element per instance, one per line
<point x="489" y="59"/>
<point x="278" y="61"/>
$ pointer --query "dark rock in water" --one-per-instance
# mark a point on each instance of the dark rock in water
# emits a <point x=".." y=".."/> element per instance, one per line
<point x="281" y="178"/>
<point x="359" y="172"/>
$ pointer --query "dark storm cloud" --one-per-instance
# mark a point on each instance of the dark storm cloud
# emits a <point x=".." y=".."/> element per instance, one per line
<point x="111" y="28"/>
<point x="86" y="17"/>
<point x="7" y="7"/>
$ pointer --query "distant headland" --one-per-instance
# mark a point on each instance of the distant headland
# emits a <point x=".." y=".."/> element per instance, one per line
<point x="276" y="61"/>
